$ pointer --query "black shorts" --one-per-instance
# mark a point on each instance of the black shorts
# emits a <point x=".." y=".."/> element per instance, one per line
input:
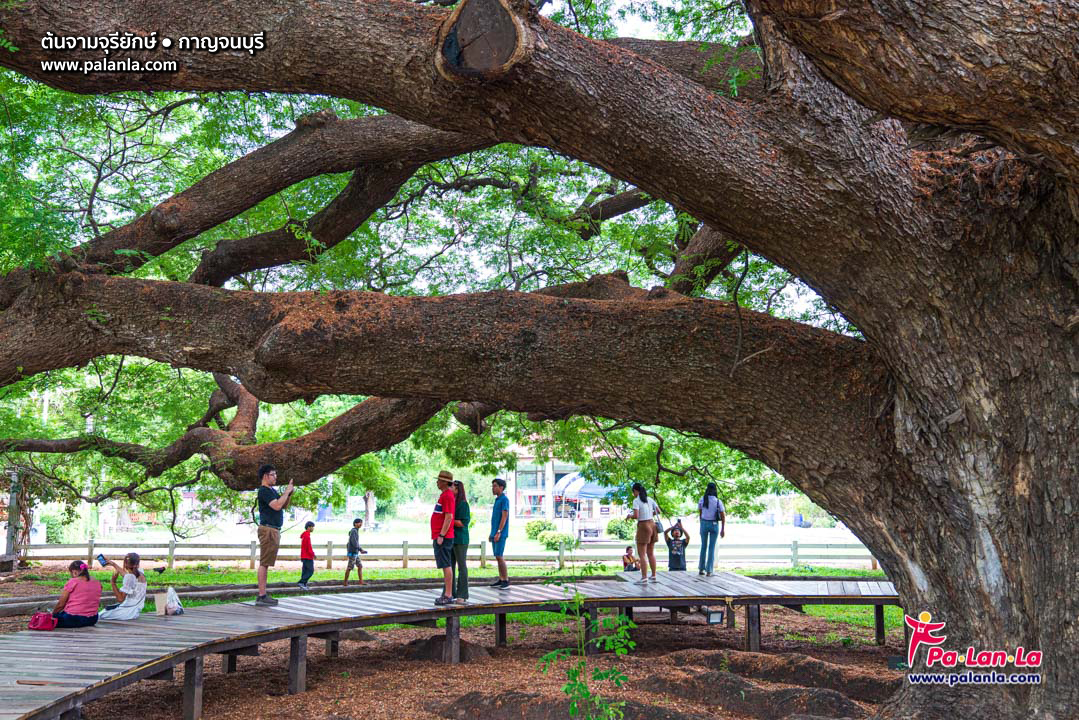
<point x="443" y="553"/>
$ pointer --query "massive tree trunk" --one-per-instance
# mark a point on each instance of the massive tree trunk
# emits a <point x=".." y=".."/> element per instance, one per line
<point x="946" y="440"/>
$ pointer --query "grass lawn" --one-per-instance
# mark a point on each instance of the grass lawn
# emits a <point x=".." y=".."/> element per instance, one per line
<point x="806" y="570"/>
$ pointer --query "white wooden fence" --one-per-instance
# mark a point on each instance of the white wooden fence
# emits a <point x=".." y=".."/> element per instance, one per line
<point x="793" y="553"/>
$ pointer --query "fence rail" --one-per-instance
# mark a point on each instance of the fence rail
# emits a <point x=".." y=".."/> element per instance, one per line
<point x="793" y="552"/>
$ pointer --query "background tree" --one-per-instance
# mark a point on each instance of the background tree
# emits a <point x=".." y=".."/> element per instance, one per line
<point x="913" y="164"/>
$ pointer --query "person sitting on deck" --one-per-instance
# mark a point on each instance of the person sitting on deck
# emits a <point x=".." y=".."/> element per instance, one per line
<point x="77" y="606"/>
<point x="132" y="593"/>
<point x="629" y="563"/>
<point x="677" y="539"/>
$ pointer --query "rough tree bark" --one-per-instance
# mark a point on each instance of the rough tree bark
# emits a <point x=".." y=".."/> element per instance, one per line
<point x="948" y="440"/>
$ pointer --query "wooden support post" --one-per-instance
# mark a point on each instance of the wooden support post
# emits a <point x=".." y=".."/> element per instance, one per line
<point x="193" y="688"/>
<point x="74" y="713"/>
<point x="500" y="630"/>
<point x="674" y="615"/>
<point x="794" y="553"/>
<point x="561" y="555"/>
<point x="451" y="651"/>
<point x="329" y="554"/>
<point x="878" y="623"/>
<point x="90" y="551"/>
<point x="297" y="664"/>
<point x="254" y="553"/>
<point x="483" y="553"/>
<point x="230" y="663"/>
<point x="873" y="562"/>
<point x="591" y="625"/>
<point x="404" y="553"/>
<point x="172" y="552"/>
<point x="628" y="612"/>
<point x="333" y="647"/>
<point x="753" y="628"/>
<point x="730" y="615"/>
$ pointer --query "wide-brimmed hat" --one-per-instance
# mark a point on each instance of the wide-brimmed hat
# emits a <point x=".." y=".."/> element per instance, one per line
<point x="444" y="476"/>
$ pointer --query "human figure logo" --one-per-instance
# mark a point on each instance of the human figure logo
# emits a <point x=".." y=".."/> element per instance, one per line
<point x="921" y="633"/>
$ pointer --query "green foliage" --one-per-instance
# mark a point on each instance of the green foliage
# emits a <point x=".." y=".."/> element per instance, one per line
<point x="533" y="528"/>
<point x="552" y="539"/>
<point x="54" y="528"/>
<point x="622" y="528"/>
<point x="608" y="633"/>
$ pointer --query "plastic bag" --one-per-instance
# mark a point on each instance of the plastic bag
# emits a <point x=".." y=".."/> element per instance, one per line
<point x="172" y="603"/>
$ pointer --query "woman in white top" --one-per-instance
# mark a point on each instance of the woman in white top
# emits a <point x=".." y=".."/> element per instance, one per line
<point x="131" y="593"/>
<point x="644" y="512"/>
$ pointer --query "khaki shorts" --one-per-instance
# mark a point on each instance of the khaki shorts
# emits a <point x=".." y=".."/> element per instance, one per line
<point x="354" y="562"/>
<point x="646" y="532"/>
<point x="269" y="543"/>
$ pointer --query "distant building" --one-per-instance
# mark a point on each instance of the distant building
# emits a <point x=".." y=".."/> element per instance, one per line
<point x="536" y="493"/>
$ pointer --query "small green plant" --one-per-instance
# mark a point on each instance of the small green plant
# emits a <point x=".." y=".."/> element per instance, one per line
<point x="533" y="528"/>
<point x="611" y="633"/>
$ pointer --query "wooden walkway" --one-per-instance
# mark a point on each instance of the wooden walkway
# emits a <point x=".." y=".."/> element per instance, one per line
<point x="51" y="675"/>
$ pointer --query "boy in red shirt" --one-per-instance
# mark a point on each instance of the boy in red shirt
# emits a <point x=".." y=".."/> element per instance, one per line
<point x="442" y="533"/>
<point x="307" y="555"/>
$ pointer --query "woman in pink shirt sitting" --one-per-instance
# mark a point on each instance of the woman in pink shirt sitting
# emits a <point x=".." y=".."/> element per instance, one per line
<point x="79" y="600"/>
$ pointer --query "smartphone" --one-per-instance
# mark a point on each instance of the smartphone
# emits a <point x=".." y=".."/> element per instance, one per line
<point x="101" y="559"/>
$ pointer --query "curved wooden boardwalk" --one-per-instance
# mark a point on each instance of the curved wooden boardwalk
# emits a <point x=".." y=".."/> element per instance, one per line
<point x="51" y="675"/>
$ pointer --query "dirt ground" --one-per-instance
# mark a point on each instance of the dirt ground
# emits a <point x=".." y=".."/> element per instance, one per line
<point x="371" y="680"/>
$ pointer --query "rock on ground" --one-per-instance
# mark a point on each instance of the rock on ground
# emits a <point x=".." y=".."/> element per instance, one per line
<point x="431" y="649"/>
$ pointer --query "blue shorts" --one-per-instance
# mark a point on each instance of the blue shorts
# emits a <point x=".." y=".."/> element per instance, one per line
<point x="498" y="547"/>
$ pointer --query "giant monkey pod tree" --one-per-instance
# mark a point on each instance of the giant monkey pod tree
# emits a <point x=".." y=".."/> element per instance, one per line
<point x="944" y="434"/>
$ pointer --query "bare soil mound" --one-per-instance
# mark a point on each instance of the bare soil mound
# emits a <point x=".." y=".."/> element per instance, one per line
<point x="798" y="669"/>
<point x="734" y="694"/>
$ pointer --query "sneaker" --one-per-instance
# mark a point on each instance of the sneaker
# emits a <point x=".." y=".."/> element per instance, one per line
<point x="503" y="584"/>
<point x="265" y="600"/>
<point x="709" y="574"/>
<point x="496" y="583"/>
<point x="642" y="581"/>
<point x="460" y="601"/>
<point x="443" y="600"/>
<point x="653" y="579"/>
<point x="701" y="572"/>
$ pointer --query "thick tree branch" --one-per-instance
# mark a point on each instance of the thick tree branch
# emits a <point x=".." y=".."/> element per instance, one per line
<point x="370" y="188"/>
<point x="372" y="425"/>
<point x="320" y="144"/>
<point x="979" y="67"/>
<point x="708" y="253"/>
<point x="527" y="352"/>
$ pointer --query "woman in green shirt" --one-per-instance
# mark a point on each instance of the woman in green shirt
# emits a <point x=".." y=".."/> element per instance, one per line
<point x="461" y="518"/>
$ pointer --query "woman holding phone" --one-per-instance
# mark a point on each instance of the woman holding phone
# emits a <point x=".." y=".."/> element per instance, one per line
<point x="131" y="592"/>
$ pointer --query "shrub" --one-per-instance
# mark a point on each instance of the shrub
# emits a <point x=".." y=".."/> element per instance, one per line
<point x="533" y="528"/>
<point x="622" y="528"/>
<point x="54" y="528"/>
<point x="551" y="539"/>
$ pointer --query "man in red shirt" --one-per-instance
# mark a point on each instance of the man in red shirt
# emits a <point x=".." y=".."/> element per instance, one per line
<point x="442" y="533"/>
<point x="307" y="555"/>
